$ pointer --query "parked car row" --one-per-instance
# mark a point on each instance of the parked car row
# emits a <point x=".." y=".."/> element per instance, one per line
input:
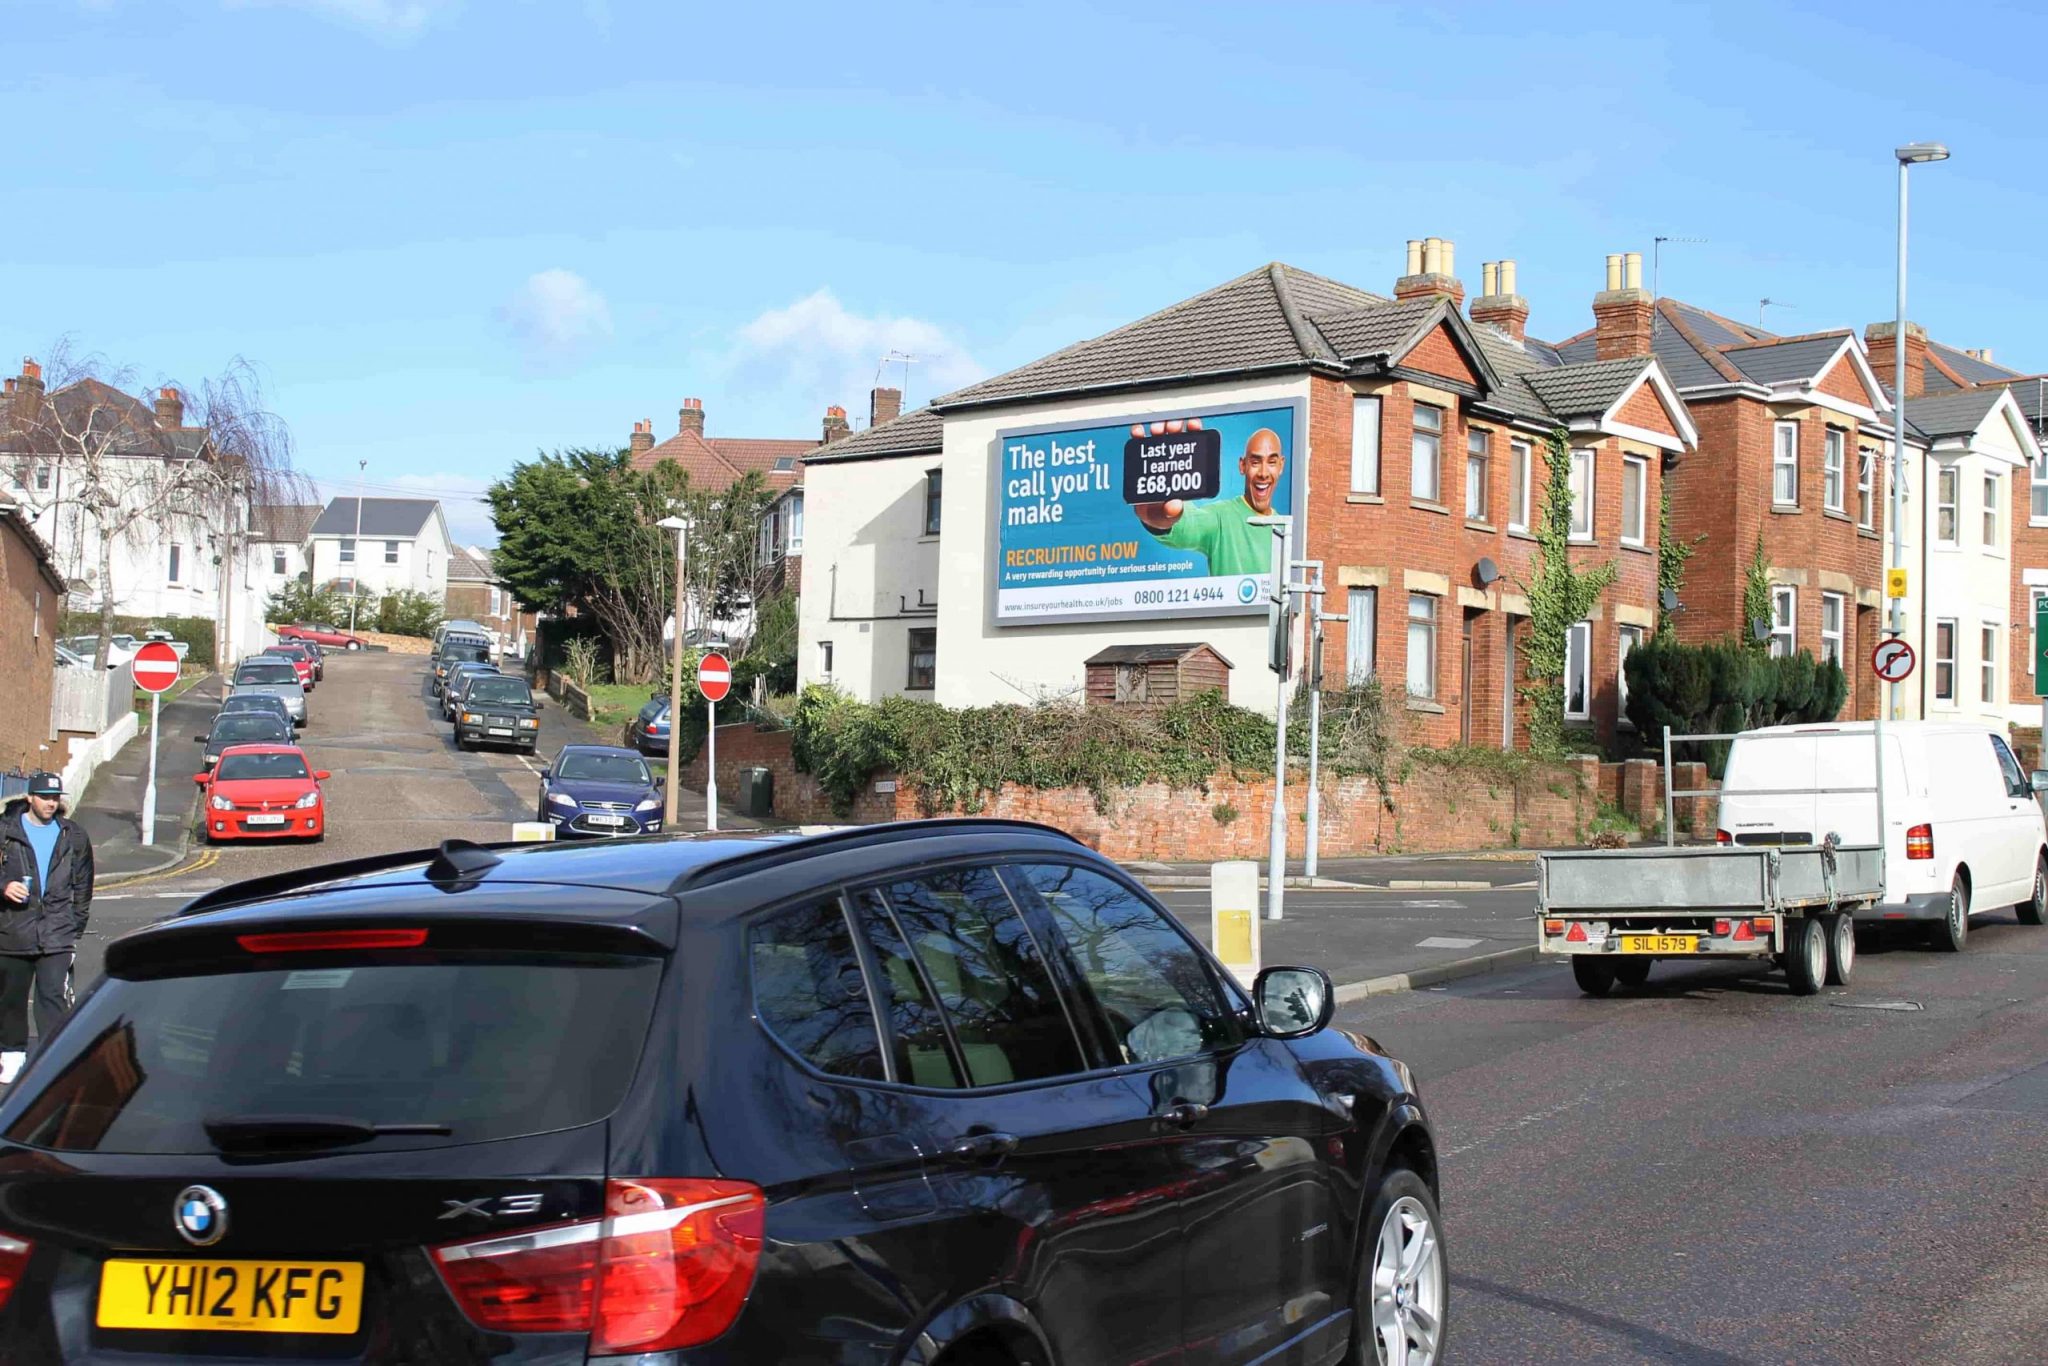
<point x="482" y="704"/>
<point x="256" y="782"/>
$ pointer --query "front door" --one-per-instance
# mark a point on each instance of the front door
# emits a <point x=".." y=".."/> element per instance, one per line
<point x="1265" y="1250"/>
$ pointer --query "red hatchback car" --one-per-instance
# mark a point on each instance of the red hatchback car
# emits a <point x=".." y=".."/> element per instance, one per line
<point x="263" y="792"/>
<point x="302" y="662"/>
<point x="333" y="637"/>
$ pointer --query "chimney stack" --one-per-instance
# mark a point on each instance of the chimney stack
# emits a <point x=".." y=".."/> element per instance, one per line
<point x="1500" y="305"/>
<point x="642" y="438"/>
<point x="1432" y="270"/>
<point x="170" y="408"/>
<point x="690" y="417"/>
<point x="28" y="393"/>
<point x="835" y="424"/>
<point x="884" y="405"/>
<point x="1881" y="339"/>
<point x="1623" y="313"/>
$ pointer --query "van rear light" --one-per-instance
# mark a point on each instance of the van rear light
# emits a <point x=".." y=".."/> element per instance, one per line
<point x="1723" y="837"/>
<point x="14" y="1254"/>
<point x="1920" y="842"/>
<point x="1721" y="929"/>
<point x="670" y="1265"/>
<point x="1553" y="928"/>
<point x="1578" y="933"/>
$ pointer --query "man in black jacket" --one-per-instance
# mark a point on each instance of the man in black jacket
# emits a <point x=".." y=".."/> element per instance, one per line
<point x="45" y="898"/>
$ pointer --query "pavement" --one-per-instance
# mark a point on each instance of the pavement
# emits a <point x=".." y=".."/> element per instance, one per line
<point x="1711" y="1170"/>
<point x="397" y="783"/>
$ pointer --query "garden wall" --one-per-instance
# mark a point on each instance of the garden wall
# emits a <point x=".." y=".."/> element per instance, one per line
<point x="1434" y="809"/>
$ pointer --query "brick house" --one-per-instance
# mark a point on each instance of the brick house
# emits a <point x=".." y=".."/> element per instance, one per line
<point x="1422" y="450"/>
<point x="476" y="594"/>
<point x="31" y="597"/>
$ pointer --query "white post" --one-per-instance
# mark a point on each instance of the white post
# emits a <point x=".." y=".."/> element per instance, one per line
<point x="711" y="766"/>
<point x="1898" y="560"/>
<point x="149" y="789"/>
<point x="1310" y="849"/>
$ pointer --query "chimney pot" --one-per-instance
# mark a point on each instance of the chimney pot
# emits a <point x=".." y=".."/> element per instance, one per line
<point x="690" y="418"/>
<point x="1414" y="256"/>
<point x="1489" y="274"/>
<point x="1432" y="256"/>
<point x="1499" y="306"/>
<point x="835" y="424"/>
<point x="30" y="369"/>
<point x="1632" y="274"/>
<point x="1614" y="270"/>
<point x="1448" y="265"/>
<point x="170" y="407"/>
<point x="1434" y="277"/>
<point x="1507" y="277"/>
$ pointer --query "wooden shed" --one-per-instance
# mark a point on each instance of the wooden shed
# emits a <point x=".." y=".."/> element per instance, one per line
<point x="1155" y="675"/>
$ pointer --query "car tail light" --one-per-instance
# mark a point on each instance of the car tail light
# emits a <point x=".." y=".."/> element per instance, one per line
<point x="319" y="941"/>
<point x="1553" y="927"/>
<point x="1762" y="924"/>
<point x="1723" y="837"/>
<point x="1721" y="929"/>
<point x="14" y="1254"/>
<point x="1920" y="842"/>
<point x="669" y="1266"/>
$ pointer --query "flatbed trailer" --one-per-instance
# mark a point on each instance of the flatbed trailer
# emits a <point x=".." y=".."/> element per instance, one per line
<point x="1616" y="912"/>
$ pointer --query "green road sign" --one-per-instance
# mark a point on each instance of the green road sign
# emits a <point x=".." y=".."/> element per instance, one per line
<point x="2041" y="646"/>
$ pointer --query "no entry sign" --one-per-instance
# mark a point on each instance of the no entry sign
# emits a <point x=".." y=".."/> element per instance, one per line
<point x="156" y="667"/>
<point x="714" y="677"/>
<point x="1892" y="661"/>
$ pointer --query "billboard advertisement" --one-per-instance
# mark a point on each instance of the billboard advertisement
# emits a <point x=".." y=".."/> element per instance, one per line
<point x="1142" y="517"/>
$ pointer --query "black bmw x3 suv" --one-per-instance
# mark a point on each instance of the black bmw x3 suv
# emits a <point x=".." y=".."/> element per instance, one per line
<point x="938" y="1092"/>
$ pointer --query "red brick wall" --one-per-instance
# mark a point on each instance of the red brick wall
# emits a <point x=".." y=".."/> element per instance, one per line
<point x="1439" y="355"/>
<point x="1435" y="810"/>
<point x="29" y="657"/>
<point x="472" y="602"/>
<point x="1396" y="534"/>
<point x="1644" y="409"/>
<point x="1841" y="382"/>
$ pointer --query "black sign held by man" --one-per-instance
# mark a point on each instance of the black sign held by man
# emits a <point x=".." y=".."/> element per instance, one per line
<point x="1186" y="463"/>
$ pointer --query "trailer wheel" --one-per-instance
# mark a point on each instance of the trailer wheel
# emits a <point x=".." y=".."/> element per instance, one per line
<point x="1806" y="955"/>
<point x="1595" y="978"/>
<point x="1633" y="972"/>
<point x="1954" y="930"/>
<point x="1841" y="936"/>
<point x="2034" y="910"/>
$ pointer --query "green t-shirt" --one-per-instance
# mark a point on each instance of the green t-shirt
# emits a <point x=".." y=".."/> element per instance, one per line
<point x="1221" y="531"/>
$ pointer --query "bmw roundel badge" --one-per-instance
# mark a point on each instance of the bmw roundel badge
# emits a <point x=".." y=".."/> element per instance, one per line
<point x="201" y="1216"/>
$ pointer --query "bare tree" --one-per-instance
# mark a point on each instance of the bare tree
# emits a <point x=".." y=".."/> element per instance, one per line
<point x="113" y="469"/>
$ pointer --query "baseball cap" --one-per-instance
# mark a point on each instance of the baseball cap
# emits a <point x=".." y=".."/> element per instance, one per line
<point x="45" y="785"/>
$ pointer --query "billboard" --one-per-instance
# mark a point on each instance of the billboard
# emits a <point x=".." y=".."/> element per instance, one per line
<point x="1142" y="517"/>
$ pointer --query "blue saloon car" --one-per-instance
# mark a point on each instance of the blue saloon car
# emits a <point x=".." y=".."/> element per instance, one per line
<point x="600" y="791"/>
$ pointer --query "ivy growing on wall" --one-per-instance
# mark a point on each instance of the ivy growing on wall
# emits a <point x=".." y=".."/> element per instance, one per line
<point x="1560" y="597"/>
<point x="1672" y="553"/>
<point x="1756" y="597"/>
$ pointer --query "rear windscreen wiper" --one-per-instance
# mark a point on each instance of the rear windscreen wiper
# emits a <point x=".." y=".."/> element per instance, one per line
<point x="288" y="1131"/>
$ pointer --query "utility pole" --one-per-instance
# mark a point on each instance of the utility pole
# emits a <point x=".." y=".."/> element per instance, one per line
<point x="675" y="675"/>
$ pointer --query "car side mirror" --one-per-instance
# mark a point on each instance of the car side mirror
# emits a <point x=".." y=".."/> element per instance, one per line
<point x="201" y="739"/>
<point x="1293" y="1003"/>
<point x="321" y="775"/>
<point x="661" y="784"/>
<point x="2038" y="781"/>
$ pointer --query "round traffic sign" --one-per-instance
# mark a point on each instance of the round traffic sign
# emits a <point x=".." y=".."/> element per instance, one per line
<point x="156" y="667"/>
<point x="714" y="677"/>
<point x="1892" y="661"/>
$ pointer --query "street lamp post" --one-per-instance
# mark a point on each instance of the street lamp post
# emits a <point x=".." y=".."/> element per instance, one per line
<point x="355" y="564"/>
<point x="675" y="673"/>
<point x="1913" y="153"/>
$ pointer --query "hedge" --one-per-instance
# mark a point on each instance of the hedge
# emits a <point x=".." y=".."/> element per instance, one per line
<point x="1724" y="687"/>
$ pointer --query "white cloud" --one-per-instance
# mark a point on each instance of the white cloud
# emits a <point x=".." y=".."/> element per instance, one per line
<point x="556" y="313"/>
<point x="818" y="349"/>
<point x="387" y="18"/>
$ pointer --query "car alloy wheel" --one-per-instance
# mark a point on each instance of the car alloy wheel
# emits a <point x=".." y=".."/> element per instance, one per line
<point x="1955" y="927"/>
<point x="1407" y="1286"/>
<point x="1841" y="938"/>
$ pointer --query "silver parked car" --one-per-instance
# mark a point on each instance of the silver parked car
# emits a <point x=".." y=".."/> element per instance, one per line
<point x="275" y="675"/>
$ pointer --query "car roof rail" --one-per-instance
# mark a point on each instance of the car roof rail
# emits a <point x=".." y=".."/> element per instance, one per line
<point x="299" y="879"/>
<point x="724" y="870"/>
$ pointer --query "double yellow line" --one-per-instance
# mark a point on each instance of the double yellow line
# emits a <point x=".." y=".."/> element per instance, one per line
<point x="206" y="859"/>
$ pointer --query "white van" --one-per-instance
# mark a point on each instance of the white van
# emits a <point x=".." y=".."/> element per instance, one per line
<point x="1966" y="827"/>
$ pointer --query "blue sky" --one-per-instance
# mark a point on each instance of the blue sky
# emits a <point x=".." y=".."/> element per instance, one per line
<point x="453" y="232"/>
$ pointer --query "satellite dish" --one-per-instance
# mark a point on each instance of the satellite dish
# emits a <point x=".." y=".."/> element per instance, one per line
<point x="1486" y="571"/>
<point x="1759" y="629"/>
<point x="1668" y="598"/>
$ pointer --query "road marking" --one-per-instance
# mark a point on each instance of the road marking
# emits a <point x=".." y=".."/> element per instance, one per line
<point x="1438" y="941"/>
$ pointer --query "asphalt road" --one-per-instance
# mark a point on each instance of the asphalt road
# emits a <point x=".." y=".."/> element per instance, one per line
<point x="1715" y="1171"/>
<point x="398" y="783"/>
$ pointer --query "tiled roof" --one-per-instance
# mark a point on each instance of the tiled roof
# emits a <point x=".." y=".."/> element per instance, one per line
<point x="1512" y="364"/>
<point x="718" y="461"/>
<point x="918" y="432"/>
<point x="1375" y="330"/>
<point x="382" y="517"/>
<point x="1951" y="414"/>
<point x="2031" y="393"/>
<point x="1579" y="390"/>
<point x="1690" y="361"/>
<point x="465" y="567"/>
<point x="1774" y="362"/>
<point x="1256" y="321"/>
<point x="289" y="523"/>
<point x="1968" y="366"/>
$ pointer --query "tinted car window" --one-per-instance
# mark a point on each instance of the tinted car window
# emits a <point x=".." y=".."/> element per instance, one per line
<point x="981" y="960"/>
<point x="1154" y="991"/>
<point x="489" y="1046"/>
<point x="917" y="1031"/>
<point x="809" y="991"/>
<point x="605" y="768"/>
<point x="249" y="725"/>
<point x="239" y="767"/>
<point x="493" y="688"/>
<point x="267" y="672"/>
<point x="458" y="651"/>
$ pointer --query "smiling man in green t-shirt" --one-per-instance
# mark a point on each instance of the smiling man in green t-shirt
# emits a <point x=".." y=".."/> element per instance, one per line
<point x="1220" y="529"/>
